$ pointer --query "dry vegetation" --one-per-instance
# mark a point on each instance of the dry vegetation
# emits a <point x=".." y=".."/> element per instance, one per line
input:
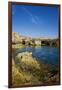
<point x="26" y="70"/>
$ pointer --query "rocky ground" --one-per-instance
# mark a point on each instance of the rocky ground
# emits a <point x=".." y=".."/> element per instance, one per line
<point x="26" y="70"/>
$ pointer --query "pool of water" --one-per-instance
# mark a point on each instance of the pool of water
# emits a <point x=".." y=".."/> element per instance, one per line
<point x="47" y="55"/>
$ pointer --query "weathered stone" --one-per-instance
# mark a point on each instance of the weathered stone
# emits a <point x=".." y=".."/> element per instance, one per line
<point x="27" y="61"/>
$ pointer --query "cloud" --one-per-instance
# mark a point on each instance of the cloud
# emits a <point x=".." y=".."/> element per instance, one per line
<point x="26" y="10"/>
<point x="34" y="19"/>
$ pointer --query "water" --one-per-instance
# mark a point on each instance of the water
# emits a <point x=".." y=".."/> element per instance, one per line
<point x="46" y="55"/>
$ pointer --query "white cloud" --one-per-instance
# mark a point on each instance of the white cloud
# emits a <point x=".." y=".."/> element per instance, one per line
<point x="34" y="19"/>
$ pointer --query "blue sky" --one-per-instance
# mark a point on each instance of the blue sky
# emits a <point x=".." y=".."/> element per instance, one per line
<point x="35" y="21"/>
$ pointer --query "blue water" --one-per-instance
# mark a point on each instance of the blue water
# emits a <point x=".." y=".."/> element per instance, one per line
<point x="47" y="55"/>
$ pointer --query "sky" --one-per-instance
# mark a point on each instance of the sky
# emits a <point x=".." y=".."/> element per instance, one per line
<point x="35" y="21"/>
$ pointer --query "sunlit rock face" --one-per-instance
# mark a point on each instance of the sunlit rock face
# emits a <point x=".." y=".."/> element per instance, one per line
<point x="37" y="42"/>
<point x="26" y="70"/>
<point x="27" y="60"/>
<point x="19" y="39"/>
<point x="16" y="38"/>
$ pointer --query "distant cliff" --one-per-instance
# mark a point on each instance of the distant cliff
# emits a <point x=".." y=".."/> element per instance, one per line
<point x="18" y="39"/>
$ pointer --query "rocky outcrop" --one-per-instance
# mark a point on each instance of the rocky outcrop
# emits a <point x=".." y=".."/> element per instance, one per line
<point x="16" y="38"/>
<point x="26" y="61"/>
<point x="26" y="70"/>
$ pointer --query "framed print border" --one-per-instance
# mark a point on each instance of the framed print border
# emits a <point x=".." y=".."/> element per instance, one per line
<point x="10" y="41"/>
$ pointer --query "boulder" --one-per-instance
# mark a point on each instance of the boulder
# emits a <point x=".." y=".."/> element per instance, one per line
<point x="26" y="60"/>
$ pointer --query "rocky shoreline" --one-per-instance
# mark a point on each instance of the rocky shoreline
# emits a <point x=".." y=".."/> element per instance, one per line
<point x="26" y="70"/>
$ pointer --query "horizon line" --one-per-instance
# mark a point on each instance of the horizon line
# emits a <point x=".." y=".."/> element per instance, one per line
<point x="35" y="37"/>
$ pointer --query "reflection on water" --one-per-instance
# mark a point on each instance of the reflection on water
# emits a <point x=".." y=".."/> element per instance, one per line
<point x="47" y="55"/>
